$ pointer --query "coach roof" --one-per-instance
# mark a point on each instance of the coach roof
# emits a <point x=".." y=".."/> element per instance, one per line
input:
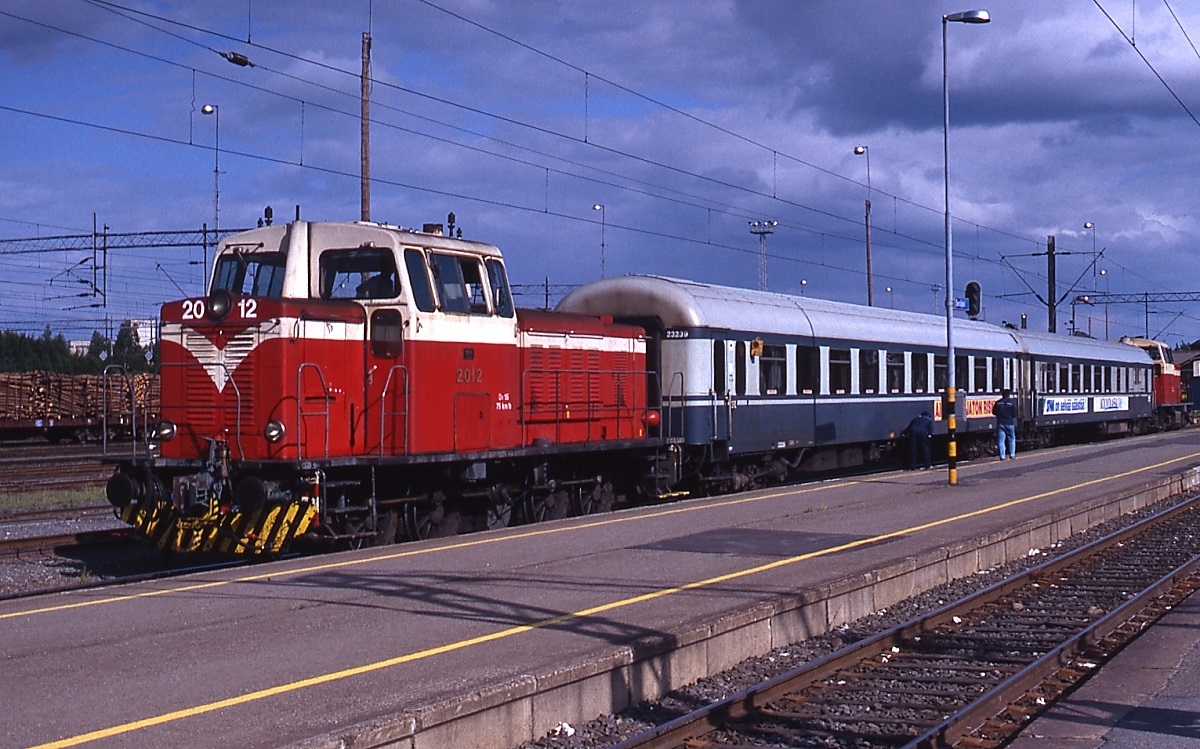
<point x="688" y="304"/>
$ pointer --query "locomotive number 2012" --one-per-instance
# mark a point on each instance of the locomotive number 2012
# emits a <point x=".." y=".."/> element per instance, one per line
<point x="467" y="376"/>
<point x="193" y="309"/>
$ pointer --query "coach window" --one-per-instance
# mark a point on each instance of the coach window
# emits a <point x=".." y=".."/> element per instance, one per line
<point x="920" y="373"/>
<point x="1107" y="383"/>
<point x="1076" y="378"/>
<point x="895" y="371"/>
<point x="839" y="371"/>
<point x="719" y="368"/>
<point x="418" y="280"/>
<point x="501" y="296"/>
<point x="739" y="367"/>
<point x="1062" y="377"/>
<point x="1098" y="378"/>
<point x="808" y="369"/>
<point x="939" y="372"/>
<point x="772" y="370"/>
<point x="868" y="370"/>
<point x="363" y="273"/>
<point x="998" y="367"/>
<point x="253" y="273"/>
<point x="962" y="373"/>
<point x="981" y="374"/>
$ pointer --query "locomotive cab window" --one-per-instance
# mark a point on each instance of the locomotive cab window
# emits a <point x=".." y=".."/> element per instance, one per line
<point x="363" y="273"/>
<point x="253" y="273"/>
<point x="418" y="280"/>
<point x="501" y="296"/>
<point x="459" y="282"/>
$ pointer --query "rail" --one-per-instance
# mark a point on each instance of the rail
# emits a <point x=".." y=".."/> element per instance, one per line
<point x="952" y="674"/>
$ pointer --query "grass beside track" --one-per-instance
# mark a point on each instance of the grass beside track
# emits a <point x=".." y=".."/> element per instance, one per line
<point x="12" y="503"/>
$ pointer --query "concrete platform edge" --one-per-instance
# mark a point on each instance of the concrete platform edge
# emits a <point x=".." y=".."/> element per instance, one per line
<point x="525" y="707"/>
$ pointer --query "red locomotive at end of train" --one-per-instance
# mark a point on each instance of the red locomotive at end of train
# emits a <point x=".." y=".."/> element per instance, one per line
<point x="363" y="382"/>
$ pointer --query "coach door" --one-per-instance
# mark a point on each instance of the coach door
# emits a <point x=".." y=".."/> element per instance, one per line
<point x="385" y="418"/>
<point x="723" y="388"/>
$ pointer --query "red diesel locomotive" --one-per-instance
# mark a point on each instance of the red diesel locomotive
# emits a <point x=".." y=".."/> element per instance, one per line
<point x="357" y="382"/>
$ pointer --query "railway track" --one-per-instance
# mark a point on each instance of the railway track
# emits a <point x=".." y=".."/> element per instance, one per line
<point x="972" y="673"/>
<point x="43" y="466"/>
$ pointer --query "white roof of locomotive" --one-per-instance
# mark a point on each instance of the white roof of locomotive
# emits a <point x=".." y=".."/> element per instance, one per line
<point x="690" y="304"/>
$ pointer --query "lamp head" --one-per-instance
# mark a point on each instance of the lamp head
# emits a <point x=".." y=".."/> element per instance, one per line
<point x="1088" y="225"/>
<point x="208" y="109"/>
<point x="969" y="16"/>
<point x="860" y="150"/>
<point x="597" y="207"/>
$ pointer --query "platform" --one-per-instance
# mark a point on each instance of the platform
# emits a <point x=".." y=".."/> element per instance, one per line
<point x="490" y="639"/>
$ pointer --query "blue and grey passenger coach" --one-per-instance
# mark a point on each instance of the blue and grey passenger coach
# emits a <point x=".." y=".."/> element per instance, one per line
<point x="756" y="385"/>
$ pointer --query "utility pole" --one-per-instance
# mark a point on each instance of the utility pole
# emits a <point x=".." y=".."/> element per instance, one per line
<point x="1051" y="282"/>
<point x="366" y="126"/>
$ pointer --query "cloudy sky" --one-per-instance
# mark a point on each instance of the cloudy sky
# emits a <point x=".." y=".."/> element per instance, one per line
<point x="685" y="119"/>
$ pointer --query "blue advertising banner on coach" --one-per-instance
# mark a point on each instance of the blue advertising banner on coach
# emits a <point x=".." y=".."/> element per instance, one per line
<point x="1064" y="406"/>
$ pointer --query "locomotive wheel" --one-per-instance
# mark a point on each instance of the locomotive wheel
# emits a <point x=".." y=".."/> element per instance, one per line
<point x="438" y="523"/>
<point x="554" y="506"/>
<point x="420" y="524"/>
<point x="499" y="516"/>
<point x="599" y="499"/>
<point x="389" y="525"/>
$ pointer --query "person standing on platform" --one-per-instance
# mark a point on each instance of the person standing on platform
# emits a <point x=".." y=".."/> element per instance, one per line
<point x="920" y="433"/>
<point x="1005" y="411"/>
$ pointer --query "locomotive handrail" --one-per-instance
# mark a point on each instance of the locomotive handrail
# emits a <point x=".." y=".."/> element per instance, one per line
<point x="301" y="413"/>
<point x="384" y="413"/>
<point x="229" y="380"/>
<point x="124" y="374"/>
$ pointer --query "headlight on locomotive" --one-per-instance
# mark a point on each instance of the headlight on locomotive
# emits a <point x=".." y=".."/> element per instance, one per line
<point x="165" y="431"/>
<point x="274" y="431"/>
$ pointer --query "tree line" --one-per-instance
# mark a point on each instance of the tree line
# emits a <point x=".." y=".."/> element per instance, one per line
<point x="50" y="352"/>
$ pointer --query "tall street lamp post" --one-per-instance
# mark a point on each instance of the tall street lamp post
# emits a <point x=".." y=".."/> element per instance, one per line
<point x="860" y="151"/>
<point x="600" y="207"/>
<point x="215" y="111"/>
<point x="762" y="229"/>
<point x="968" y="16"/>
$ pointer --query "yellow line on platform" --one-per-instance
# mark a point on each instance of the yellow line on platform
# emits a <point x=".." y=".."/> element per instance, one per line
<point x="552" y="621"/>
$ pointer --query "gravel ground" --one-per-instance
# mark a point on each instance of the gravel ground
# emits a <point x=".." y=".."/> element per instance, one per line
<point x="32" y="572"/>
<point x="610" y="729"/>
